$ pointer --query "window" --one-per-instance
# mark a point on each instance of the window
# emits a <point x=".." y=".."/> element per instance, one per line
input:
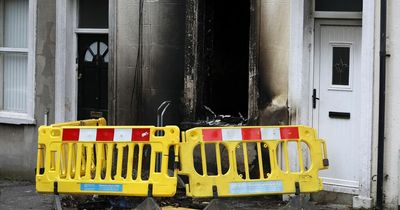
<point x="93" y="14"/>
<point x="340" y="65"/>
<point x="97" y="50"/>
<point x="16" y="61"/>
<point x="338" y="9"/>
<point x="338" y="5"/>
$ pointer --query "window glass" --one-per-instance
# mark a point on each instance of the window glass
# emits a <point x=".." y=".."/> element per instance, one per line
<point x="99" y="49"/>
<point x="338" y="5"/>
<point x="93" y="14"/>
<point x="14" y="55"/>
<point x="14" y="22"/>
<point x="341" y="66"/>
<point x="15" y="79"/>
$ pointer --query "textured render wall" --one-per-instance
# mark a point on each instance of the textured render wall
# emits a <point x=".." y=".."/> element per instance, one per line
<point x="126" y="48"/>
<point x="163" y="58"/>
<point x="18" y="143"/>
<point x="392" y="143"/>
<point x="274" y="60"/>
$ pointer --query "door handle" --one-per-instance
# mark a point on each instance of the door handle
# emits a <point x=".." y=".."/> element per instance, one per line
<point x="314" y="98"/>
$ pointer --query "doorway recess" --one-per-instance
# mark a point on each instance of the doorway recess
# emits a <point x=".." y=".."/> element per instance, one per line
<point x="217" y="57"/>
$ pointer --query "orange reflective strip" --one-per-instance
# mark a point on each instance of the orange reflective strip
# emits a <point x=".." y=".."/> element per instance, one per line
<point x="251" y="134"/>
<point x="289" y="133"/>
<point x="70" y="134"/>
<point x="212" y="134"/>
<point x="105" y="134"/>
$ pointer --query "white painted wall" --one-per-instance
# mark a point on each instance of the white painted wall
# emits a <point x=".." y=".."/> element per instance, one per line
<point x="392" y="142"/>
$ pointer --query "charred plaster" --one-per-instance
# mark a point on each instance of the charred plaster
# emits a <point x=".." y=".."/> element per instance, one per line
<point x="273" y="63"/>
<point x="191" y="59"/>
<point x="150" y="61"/>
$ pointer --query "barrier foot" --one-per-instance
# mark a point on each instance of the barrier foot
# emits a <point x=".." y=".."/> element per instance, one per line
<point x="299" y="202"/>
<point x="148" y="204"/>
<point x="57" y="202"/>
<point x="216" y="204"/>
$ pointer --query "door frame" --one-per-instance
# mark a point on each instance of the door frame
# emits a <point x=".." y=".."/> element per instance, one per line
<point x="66" y="66"/>
<point x="315" y="77"/>
<point x="301" y="63"/>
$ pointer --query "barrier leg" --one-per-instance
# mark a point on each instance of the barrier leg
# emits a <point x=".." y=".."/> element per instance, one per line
<point x="299" y="202"/>
<point x="57" y="202"/>
<point x="148" y="204"/>
<point x="216" y="203"/>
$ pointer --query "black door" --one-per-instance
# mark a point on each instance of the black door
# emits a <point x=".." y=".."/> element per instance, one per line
<point x="92" y="75"/>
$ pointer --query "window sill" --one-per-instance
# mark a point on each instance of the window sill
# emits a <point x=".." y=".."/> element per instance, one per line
<point x="16" y="118"/>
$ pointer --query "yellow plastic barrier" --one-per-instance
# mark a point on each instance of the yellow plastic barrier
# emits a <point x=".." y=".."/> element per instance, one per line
<point x="245" y="161"/>
<point x="90" y="122"/>
<point x="107" y="160"/>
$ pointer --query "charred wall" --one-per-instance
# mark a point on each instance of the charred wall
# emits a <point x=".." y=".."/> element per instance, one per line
<point x="149" y="60"/>
<point x="274" y="61"/>
<point x="165" y="56"/>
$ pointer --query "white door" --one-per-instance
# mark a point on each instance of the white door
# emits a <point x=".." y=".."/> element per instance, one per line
<point x="336" y="103"/>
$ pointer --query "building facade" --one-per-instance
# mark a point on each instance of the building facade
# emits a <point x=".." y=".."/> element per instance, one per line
<point x="312" y="62"/>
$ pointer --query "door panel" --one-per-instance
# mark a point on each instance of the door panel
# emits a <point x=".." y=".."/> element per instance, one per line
<point x="337" y="113"/>
<point x="93" y="59"/>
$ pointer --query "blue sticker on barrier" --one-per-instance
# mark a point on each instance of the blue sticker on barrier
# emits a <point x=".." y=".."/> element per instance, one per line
<point x="241" y="188"/>
<point x="102" y="187"/>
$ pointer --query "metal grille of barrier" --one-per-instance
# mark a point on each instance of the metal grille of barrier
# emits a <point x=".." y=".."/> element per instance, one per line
<point x="110" y="160"/>
<point x="245" y="161"/>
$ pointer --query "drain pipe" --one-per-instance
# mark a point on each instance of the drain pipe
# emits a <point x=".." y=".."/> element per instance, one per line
<point x="382" y="92"/>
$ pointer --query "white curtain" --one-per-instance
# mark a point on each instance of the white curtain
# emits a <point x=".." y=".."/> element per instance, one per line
<point x="14" y="65"/>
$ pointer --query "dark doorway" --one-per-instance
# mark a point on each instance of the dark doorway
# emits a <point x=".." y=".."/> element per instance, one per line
<point x="93" y="57"/>
<point x="224" y="72"/>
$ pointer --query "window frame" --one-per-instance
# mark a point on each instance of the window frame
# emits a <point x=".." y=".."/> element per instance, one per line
<point x="348" y="87"/>
<point x="10" y="117"/>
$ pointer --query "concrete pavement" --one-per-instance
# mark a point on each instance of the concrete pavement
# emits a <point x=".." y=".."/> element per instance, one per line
<point x="21" y="195"/>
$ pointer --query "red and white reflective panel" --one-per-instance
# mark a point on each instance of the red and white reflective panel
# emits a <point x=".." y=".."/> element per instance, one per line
<point x="239" y="134"/>
<point x="106" y="134"/>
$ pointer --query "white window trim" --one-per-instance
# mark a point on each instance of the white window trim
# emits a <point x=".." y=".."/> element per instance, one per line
<point x="14" y="50"/>
<point x="91" y="31"/>
<point x="28" y="117"/>
<point x="65" y="63"/>
<point x="66" y="86"/>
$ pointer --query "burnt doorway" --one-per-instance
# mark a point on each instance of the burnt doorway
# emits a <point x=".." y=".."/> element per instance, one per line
<point x="226" y="56"/>
<point x="217" y="57"/>
<point x="93" y="57"/>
